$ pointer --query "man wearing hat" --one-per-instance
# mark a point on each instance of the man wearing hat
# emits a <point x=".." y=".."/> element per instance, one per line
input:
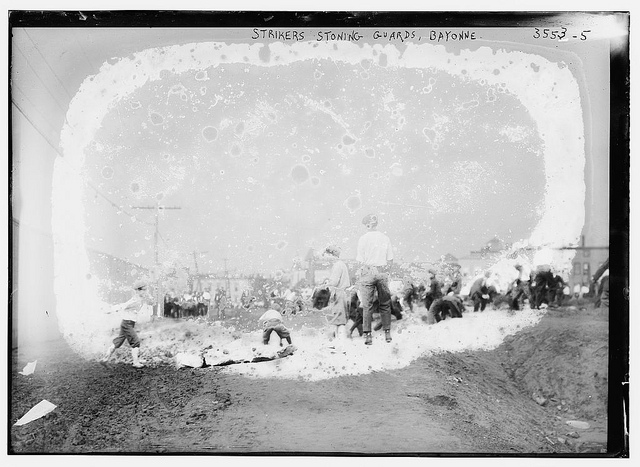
<point x="130" y="310"/>
<point x="375" y="256"/>
<point x="434" y="291"/>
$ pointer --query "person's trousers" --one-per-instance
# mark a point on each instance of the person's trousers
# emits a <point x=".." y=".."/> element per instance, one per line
<point x="479" y="303"/>
<point x="339" y="306"/>
<point x="128" y="333"/>
<point x="521" y="289"/>
<point x="371" y="281"/>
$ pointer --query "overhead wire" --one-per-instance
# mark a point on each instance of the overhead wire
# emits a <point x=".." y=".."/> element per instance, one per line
<point x="35" y="127"/>
<point x="48" y="141"/>
<point x="115" y="205"/>
<point x="15" y="87"/>
<point x="44" y="59"/>
<point x="60" y="106"/>
<point x="105" y="197"/>
<point x="52" y="145"/>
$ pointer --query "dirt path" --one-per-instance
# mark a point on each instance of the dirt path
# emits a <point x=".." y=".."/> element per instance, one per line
<point x="207" y="410"/>
<point x="372" y="413"/>
<point x="468" y="402"/>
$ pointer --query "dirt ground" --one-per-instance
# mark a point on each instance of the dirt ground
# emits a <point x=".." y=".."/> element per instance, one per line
<point x="515" y="399"/>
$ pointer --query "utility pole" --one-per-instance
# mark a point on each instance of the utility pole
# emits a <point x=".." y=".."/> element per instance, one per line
<point x="226" y="275"/>
<point x="155" y="248"/>
<point x="195" y="260"/>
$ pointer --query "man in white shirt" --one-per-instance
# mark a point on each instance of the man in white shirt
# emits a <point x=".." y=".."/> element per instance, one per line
<point x="130" y="313"/>
<point x="272" y="321"/>
<point x="375" y="257"/>
<point x="206" y="297"/>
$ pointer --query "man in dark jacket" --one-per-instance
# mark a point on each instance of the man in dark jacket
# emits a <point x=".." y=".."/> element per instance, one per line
<point x="557" y="290"/>
<point x="520" y="289"/>
<point x="541" y="286"/>
<point x="434" y="290"/>
<point x="479" y="292"/>
<point x="448" y="306"/>
<point x="603" y="289"/>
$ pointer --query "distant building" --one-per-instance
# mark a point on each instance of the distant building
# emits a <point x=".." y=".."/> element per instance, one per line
<point x="587" y="260"/>
<point x="478" y="261"/>
<point x="449" y="258"/>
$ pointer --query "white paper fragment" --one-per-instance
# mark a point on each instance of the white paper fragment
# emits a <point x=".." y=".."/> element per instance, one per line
<point x="41" y="409"/>
<point x="189" y="360"/>
<point x="29" y="368"/>
<point x="578" y="424"/>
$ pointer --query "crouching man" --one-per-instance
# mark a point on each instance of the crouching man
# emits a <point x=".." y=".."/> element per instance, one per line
<point x="479" y="292"/>
<point x="130" y="311"/>
<point x="272" y="321"/>
<point x="448" y="306"/>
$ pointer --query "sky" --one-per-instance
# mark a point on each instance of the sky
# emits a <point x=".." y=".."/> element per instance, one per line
<point x="267" y="162"/>
<point x="270" y="147"/>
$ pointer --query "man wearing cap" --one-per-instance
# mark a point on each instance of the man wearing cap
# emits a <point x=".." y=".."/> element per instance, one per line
<point x="375" y="257"/>
<point x="434" y="291"/>
<point x="130" y="310"/>
<point x="479" y="292"/>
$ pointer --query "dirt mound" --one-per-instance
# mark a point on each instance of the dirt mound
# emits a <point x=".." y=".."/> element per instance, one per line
<point x="485" y="404"/>
<point x="563" y="361"/>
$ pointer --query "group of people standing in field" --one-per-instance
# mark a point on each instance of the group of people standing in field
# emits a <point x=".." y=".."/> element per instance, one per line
<point x="374" y="257"/>
<point x="194" y="304"/>
<point x="371" y="291"/>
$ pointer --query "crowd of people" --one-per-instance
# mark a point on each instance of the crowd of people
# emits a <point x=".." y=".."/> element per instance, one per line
<point x="343" y="300"/>
<point x="194" y="304"/>
<point x="538" y="287"/>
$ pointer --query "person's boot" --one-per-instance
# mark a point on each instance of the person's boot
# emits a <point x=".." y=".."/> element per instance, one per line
<point x="135" y="353"/>
<point x="105" y="359"/>
<point x="367" y="338"/>
<point x="387" y="335"/>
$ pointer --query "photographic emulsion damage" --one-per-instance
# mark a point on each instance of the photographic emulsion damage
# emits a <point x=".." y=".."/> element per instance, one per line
<point x="321" y="234"/>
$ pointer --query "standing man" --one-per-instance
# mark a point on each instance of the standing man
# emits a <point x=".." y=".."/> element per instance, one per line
<point x="375" y="257"/>
<point x="601" y="290"/>
<point x="434" y="291"/>
<point x="206" y="297"/>
<point x="558" y="289"/>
